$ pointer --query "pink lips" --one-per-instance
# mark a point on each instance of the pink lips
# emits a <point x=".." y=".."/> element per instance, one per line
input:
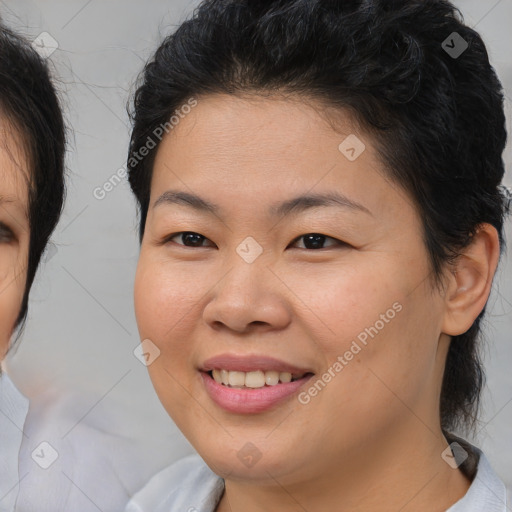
<point x="250" y="401"/>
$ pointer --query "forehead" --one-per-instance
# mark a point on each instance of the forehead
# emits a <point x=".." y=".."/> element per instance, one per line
<point x="278" y="122"/>
<point x="245" y="137"/>
<point x="266" y="148"/>
<point x="14" y="171"/>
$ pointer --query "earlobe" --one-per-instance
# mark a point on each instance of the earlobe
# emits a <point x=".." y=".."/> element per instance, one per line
<point x="470" y="281"/>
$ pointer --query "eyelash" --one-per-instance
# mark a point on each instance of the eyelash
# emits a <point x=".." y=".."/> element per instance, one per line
<point x="6" y="234"/>
<point x="181" y="233"/>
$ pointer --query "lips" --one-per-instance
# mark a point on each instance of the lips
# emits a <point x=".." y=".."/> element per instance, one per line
<point x="258" y="396"/>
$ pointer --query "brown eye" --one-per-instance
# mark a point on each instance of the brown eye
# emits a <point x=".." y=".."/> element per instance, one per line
<point x="6" y="234"/>
<point x="317" y="240"/>
<point x="189" y="239"/>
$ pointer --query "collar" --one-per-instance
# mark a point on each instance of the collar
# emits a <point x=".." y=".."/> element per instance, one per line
<point x="487" y="492"/>
<point x="190" y="485"/>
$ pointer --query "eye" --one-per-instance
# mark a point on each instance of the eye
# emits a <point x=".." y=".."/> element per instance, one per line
<point x="6" y="234"/>
<point x="189" y="238"/>
<point x="316" y="240"/>
<point x="311" y="240"/>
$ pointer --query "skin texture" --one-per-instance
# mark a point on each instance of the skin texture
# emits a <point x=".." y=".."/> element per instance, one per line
<point x="371" y="439"/>
<point x="14" y="231"/>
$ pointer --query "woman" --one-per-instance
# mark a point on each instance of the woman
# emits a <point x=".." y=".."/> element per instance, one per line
<point x="322" y="216"/>
<point x="31" y="198"/>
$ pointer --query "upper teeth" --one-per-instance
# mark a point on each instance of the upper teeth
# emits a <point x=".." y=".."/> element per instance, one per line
<point x="256" y="379"/>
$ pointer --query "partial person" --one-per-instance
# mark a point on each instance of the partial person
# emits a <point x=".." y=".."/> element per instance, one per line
<point x="32" y="190"/>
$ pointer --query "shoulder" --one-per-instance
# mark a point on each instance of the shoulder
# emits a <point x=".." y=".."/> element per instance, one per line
<point x="14" y="403"/>
<point x="188" y="485"/>
<point x="14" y="407"/>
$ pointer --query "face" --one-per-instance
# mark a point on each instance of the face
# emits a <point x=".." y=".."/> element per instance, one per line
<point x="248" y="275"/>
<point x="14" y="232"/>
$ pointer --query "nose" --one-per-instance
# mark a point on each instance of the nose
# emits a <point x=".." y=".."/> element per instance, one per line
<point x="249" y="297"/>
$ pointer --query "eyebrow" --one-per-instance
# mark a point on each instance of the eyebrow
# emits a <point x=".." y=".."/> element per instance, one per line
<point x="295" y="205"/>
<point x="7" y="199"/>
<point x="10" y="200"/>
<point x="17" y="205"/>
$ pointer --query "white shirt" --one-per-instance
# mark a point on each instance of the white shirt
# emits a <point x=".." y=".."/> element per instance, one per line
<point x="13" y="412"/>
<point x="189" y="485"/>
<point x="75" y="458"/>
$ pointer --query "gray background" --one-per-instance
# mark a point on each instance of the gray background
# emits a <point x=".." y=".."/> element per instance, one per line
<point x="75" y="361"/>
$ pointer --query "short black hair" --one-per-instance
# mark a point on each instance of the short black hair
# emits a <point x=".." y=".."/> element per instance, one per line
<point x="437" y="117"/>
<point x="29" y="101"/>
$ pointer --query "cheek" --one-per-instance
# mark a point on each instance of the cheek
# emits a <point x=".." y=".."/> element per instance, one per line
<point x="343" y="302"/>
<point x="11" y="295"/>
<point x="386" y="332"/>
<point x="374" y="313"/>
<point x="160" y="297"/>
<point x="166" y="301"/>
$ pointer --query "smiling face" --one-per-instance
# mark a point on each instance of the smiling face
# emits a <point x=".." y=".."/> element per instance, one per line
<point x="14" y="232"/>
<point x="334" y="288"/>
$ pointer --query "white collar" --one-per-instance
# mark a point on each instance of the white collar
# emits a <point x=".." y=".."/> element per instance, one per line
<point x="487" y="492"/>
<point x="13" y="412"/>
<point x="189" y="484"/>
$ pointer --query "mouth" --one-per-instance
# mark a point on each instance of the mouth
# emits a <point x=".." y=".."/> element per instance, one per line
<point x="251" y="384"/>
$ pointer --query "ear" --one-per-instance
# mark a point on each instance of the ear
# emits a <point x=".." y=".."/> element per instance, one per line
<point x="470" y="281"/>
